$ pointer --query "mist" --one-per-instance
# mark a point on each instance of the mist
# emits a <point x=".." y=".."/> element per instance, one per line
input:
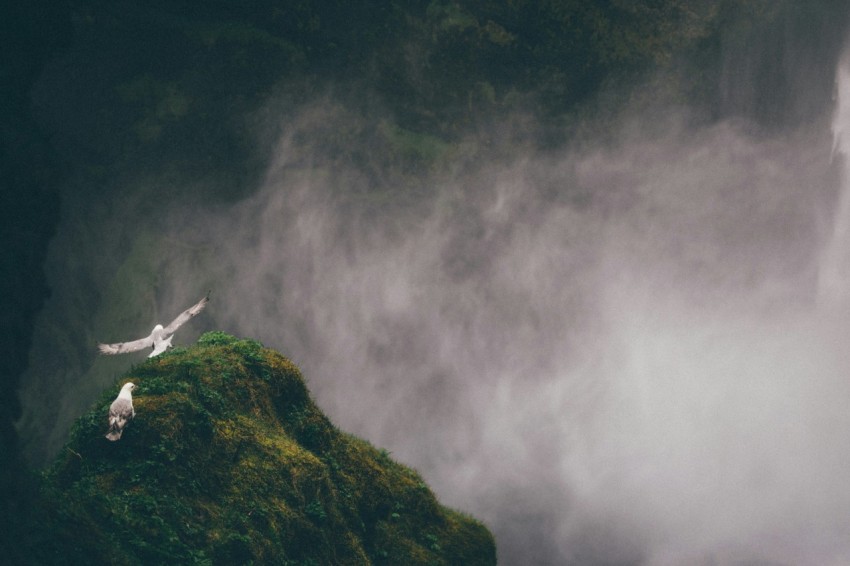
<point x="627" y="351"/>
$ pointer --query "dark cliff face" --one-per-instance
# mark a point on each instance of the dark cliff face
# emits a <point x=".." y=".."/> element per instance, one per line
<point x="229" y="461"/>
<point x="30" y="172"/>
<point x="162" y="86"/>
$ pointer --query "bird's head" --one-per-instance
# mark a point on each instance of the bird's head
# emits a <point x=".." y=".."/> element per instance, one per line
<point x="129" y="386"/>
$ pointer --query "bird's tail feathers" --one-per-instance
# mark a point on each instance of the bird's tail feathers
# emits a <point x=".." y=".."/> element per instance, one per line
<point x="114" y="433"/>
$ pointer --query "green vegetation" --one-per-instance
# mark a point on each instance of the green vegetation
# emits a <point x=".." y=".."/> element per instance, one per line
<point x="229" y="461"/>
<point x="187" y="96"/>
<point x="160" y="103"/>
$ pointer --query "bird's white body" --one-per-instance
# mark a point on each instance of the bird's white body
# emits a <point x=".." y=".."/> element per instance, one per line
<point x="160" y="342"/>
<point x="121" y="411"/>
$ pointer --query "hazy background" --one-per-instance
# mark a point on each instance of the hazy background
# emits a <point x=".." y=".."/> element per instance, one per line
<point x="623" y="346"/>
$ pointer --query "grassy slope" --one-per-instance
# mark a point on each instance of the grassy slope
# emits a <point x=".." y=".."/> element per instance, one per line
<point x="229" y="461"/>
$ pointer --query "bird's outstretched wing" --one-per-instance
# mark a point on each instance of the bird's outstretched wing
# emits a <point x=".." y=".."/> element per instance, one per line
<point x="124" y="347"/>
<point x="184" y="316"/>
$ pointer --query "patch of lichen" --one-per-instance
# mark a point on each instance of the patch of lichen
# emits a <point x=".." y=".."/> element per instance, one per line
<point x="229" y="461"/>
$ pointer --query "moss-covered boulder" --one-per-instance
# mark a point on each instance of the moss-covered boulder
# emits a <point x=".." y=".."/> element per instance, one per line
<point x="229" y="461"/>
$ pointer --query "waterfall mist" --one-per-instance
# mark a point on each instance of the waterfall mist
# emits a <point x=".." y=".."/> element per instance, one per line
<point x="618" y="353"/>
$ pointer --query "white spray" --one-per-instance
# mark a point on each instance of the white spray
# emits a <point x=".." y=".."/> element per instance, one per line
<point x="834" y="275"/>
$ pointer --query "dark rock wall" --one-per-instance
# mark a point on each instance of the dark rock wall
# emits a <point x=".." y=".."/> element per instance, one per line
<point x="29" y="211"/>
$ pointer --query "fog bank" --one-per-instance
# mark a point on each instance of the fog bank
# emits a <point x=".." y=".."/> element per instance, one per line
<point x="618" y="353"/>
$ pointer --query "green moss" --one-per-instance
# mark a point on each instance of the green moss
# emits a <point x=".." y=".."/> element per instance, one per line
<point x="229" y="461"/>
<point x="216" y="338"/>
<point x="413" y="145"/>
<point x="159" y="103"/>
<point x="211" y="33"/>
<point x="451" y="16"/>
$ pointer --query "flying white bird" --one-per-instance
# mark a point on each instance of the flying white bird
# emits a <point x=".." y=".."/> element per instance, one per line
<point x="160" y="338"/>
<point x="120" y="412"/>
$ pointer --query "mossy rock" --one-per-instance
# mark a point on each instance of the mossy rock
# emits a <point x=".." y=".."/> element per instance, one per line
<point x="229" y="461"/>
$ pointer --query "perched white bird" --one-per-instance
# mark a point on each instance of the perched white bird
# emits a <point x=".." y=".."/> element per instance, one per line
<point x="160" y="338"/>
<point x="121" y="411"/>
